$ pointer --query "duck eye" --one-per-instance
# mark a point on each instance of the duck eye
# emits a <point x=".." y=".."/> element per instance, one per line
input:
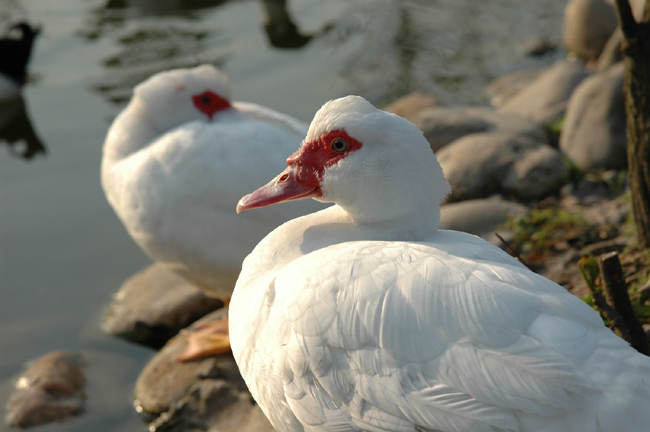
<point x="339" y="145"/>
<point x="205" y="100"/>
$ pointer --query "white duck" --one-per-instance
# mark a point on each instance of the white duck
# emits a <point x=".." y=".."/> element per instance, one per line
<point x="15" y="51"/>
<point x="366" y="317"/>
<point x="176" y="161"/>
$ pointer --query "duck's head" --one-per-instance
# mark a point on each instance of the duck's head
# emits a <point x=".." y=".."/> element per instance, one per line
<point x="181" y="95"/>
<point x="376" y="165"/>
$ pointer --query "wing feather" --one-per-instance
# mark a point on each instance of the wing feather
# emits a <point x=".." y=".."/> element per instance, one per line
<point x="428" y="339"/>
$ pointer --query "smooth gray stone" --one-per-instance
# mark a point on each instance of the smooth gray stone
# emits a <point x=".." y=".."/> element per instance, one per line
<point x="443" y="125"/>
<point x="538" y="174"/>
<point x="481" y="165"/>
<point x="505" y="87"/>
<point x="594" y="131"/>
<point x="544" y="100"/>
<point x="480" y="217"/>
<point x="588" y="24"/>
<point x="410" y="105"/>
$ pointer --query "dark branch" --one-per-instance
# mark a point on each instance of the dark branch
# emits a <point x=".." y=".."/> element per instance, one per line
<point x="628" y="24"/>
<point x="616" y="292"/>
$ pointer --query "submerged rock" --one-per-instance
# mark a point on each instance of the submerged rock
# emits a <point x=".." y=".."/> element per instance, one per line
<point x="154" y="305"/>
<point x="594" y="131"/>
<point x="202" y="395"/>
<point x="51" y="389"/>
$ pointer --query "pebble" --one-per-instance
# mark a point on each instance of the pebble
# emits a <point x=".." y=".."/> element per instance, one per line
<point x="51" y="389"/>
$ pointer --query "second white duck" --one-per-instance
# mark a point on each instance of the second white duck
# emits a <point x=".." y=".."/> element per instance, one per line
<point x="176" y="161"/>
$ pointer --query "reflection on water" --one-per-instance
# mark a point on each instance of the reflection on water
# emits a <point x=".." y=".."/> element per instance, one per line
<point x="16" y="130"/>
<point x="280" y="28"/>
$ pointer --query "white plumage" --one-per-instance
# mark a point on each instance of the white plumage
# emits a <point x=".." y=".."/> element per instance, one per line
<point x="366" y="317"/>
<point x="176" y="161"/>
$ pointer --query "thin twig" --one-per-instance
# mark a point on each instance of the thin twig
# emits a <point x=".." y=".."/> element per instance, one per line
<point x="514" y="252"/>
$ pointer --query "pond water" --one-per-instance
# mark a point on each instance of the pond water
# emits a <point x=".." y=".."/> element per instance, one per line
<point x="63" y="252"/>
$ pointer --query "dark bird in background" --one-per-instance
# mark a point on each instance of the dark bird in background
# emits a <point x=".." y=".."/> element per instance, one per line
<point x="15" y="51"/>
<point x="16" y="129"/>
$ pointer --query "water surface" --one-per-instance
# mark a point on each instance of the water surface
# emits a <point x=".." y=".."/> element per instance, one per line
<point x="63" y="252"/>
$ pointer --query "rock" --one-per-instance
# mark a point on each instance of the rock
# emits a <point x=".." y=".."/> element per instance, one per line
<point x="51" y="389"/>
<point x="480" y="165"/>
<point x="203" y="395"/>
<point x="612" y="52"/>
<point x="588" y="24"/>
<point x="480" y="217"/>
<point x="638" y="8"/>
<point x="544" y="100"/>
<point x="504" y="88"/>
<point x="537" y="47"/>
<point x="410" y="105"/>
<point x="443" y="125"/>
<point x="593" y="135"/>
<point x="539" y="173"/>
<point x="154" y="305"/>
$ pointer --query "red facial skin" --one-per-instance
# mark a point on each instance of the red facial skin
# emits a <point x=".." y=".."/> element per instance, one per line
<point x="303" y="176"/>
<point x="209" y="103"/>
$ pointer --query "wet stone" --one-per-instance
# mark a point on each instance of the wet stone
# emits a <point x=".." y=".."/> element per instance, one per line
<point x="201" y="395"/>
<point x="51" y="389"/>
<point x="154" y="305"/>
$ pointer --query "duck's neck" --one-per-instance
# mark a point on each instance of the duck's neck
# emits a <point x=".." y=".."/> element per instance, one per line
<point x="131" y="131"/>
<point x="417" y="224"/>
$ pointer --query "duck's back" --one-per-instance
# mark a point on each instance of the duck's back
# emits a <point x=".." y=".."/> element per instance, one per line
<point x="450" y="334"/>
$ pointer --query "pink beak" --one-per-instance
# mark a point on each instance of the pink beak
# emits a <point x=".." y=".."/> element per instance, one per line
<point x="285" y="187"/>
